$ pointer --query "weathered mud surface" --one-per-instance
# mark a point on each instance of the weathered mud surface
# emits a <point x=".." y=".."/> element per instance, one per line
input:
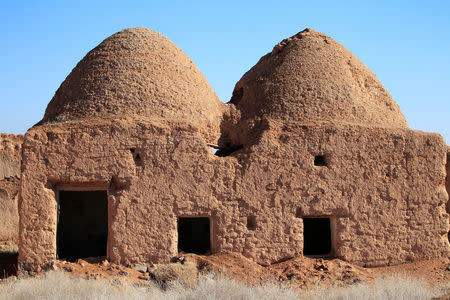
<point x="309" y="133"/>
<point x="10" y="160"/>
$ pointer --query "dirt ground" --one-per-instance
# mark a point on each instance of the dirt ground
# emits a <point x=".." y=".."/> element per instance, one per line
<point x="302" y="272"/>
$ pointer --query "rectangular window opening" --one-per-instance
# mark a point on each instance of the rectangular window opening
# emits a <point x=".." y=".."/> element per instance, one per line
<point x="251" y="223"/>
<point x="194" y="235"/>
<point x="317" y="237"/>
<point x="82" y="229"/>
<point x="298" y="212"/>
<point x="320" y="161"/>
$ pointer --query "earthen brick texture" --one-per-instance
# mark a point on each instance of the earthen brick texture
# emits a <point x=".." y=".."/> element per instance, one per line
<point x="381" y="184"/>
<point x="10" y="158"/>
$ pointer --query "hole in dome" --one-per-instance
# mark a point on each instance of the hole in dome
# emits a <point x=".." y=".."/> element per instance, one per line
<point x="214" y="150"/>
<point x="227" y="151"/>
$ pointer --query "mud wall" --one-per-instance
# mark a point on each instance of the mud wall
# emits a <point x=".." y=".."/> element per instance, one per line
<point x="10" y="157"/>
<point x="447" y="182"/>
<point x="383" y="190"/>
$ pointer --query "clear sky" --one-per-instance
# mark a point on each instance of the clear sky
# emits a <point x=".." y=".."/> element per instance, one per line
<point x="405" y="43"/>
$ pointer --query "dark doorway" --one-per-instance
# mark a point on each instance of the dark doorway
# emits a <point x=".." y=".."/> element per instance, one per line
<point x="316" y="236"/>
<point x="82" y="224"/>
<point x="194" y="235"/>
<point x="8" y="264"/>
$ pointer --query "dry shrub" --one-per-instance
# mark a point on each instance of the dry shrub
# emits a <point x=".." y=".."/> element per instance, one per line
<point x="59" y="285"/>
<point x="185" y="274"/>
<point x="229" y="289"/>
<point x="384" y="288"/>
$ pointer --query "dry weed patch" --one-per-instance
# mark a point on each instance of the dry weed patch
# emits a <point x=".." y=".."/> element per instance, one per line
<point x="59" y="285"/>
<point x="384" y="288"/>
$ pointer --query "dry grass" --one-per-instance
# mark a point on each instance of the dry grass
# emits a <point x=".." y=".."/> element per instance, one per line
<point x="60" y="285"/>
<point x="384" y="288"/>
<point x="186" y="274"/>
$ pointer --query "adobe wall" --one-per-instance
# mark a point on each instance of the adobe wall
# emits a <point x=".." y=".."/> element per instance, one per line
<point x="10" y="152"/>
<point x="447" y="182"/>
<point x="383" y="190"/>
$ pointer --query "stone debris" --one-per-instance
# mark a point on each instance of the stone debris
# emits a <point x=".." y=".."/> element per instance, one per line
<point x="140" y="267"/>
<point x="146" y="278"/>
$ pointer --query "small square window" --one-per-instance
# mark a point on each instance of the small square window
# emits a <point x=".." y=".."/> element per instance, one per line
<point x="320" y="161"/>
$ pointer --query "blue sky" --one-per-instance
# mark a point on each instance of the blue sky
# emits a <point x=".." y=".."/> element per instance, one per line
<point x="405" y="43"/>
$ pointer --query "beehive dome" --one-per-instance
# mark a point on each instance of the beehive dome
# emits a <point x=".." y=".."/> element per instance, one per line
<point x="136" y="72"/>
<point x="310" y="77"/>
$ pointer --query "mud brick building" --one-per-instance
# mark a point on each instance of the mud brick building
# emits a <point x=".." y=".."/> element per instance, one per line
<point x="136" y="159"/>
